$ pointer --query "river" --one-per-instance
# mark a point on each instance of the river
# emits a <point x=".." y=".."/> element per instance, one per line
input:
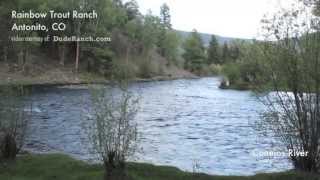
<point x="183" y="123"/>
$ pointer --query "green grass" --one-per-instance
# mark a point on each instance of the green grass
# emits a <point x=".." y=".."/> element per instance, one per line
<point x="61" y="167"/>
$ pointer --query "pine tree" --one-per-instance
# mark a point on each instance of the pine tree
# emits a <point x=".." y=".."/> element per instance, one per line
<point x="165" y="16"/>
<point x="213" y="51"/>
<point x="225" y="53"/>
<point x="165" y="22"/>
<point x="194" y="52"/>
<point x="132" y="9"/>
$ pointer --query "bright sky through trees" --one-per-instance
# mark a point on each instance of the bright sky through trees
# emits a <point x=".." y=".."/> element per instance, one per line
<point x="232" y="18"/>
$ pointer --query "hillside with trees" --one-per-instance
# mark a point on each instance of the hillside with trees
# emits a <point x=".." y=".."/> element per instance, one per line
<point x="142" y="46"/>
<point x="273" y="127"/>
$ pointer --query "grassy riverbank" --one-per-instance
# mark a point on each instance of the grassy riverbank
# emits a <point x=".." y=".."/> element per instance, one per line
<point x="60" y="167"/>
<point x="43" y="71"/>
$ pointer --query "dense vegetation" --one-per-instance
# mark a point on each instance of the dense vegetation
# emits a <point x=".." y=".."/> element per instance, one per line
<point x="287" y="36"/>
<point x="141" y="45"/>
<point x="245" y="70"/>
<point x="135" y="39"/>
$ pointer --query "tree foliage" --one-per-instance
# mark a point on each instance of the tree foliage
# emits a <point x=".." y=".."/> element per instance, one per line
<point x="194" y="52"/>
<point x="132" y="34"/>
<point x="246" y="71"/>
<point x="293" y="64"/>
<point x="214" y="56"/>
<point x="165" y="16"/>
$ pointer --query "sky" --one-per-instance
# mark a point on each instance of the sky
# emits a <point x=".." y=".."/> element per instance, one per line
<point x="230" y="18"/>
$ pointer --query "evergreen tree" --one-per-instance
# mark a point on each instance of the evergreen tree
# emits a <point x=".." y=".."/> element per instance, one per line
<point x="132" y="9"/>
<point x="234" y="52"/>
<point x="213" y="51"/>
<point x="225" y="53"/>
<point x="165" y="21"/>
<point x="194" y="54"/>
<point x="165" y="16"/>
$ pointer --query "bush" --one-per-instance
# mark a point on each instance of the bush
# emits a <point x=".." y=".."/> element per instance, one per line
<point x="147" y="68"/>
<point x="215" y="69"/>
<point x="293" y="65"/>
<point x="122" y="69"/>
<point x="15" y="113"/>
<point x="113" y="131"/>
<point x="232" y="72"/>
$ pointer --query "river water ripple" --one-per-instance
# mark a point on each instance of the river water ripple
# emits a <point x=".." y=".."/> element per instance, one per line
<point x="183" y="123"/>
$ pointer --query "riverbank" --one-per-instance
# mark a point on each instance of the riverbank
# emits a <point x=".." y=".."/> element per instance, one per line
<point x="237" y="86"/>
<point x="54" y="74"/>
<point x="61" y="167"/>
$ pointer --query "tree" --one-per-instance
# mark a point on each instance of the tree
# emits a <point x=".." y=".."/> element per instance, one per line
<point x="155" y="35"/>
<point x="5" y="7"/>
<point x="171" y="49"/>
<point x="316" y="10"/>
<point x="165" y="16"/>
<point x="165" y="26"/>
<point x="225" y="53"/>
<point x="194" y="52"/>
<point x="151" y="31"/>
<point x="17" y="51"/>
<point x="213" y="51"/>
<point x="234" y="52"/>
<point x="113" y="131"/>
<point x="132" y="9"/>
<point x="247" y="71"/>
<point x="314" y="4"/>
<point x="112" y="22"/>
<point x="293" y="64"/>
<point x="77" y="23"/>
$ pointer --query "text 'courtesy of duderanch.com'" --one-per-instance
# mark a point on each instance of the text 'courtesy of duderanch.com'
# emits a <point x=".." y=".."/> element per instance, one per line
<point x="59" y="28"/>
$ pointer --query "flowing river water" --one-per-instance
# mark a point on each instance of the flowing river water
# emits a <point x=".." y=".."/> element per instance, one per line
<point x="189" y="124"/>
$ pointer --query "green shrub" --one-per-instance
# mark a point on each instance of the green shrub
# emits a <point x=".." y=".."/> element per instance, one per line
<point x="232" y="72"/>
<point x="147" y="68"/>
<point x="215" y="69"/>
<point x="123" y="70"/>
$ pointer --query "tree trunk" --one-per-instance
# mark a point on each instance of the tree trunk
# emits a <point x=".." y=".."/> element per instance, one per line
<point x="20" y="59"/>
<point x="115" y="173"/>
<point x="78" y="47"/>
<point x="77" y="56"/>
<point x="5" y="54"/>
<point x="62" y="52"/>
<point x="24" y="58"/>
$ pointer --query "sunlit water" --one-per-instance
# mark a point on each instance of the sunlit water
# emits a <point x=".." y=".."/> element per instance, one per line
<point x="183" y="123"/>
